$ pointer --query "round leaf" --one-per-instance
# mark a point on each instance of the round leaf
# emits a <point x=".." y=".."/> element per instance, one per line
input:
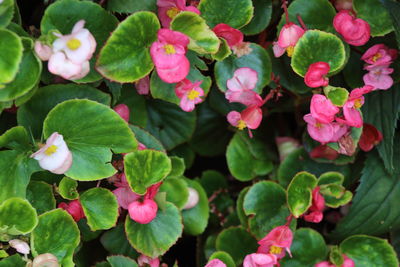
<point x="100" y="207"/>
<point x="62" y="15"/>
<point x="299" y="193"/>
<point x="90" y="140"/>
<point x="6" y="12"/>
<point x="239" y="208"/>
<point x="177" y="167"/>
<point x="40" y="195"/>
<point x="224" y="51"/>
<point x="368" y="251"/>
<point x="58" y="234"/>
<point x="202" y="39"/>
<point x="144" y="168"/>
<point x="177" y="191"/>
<point x="373" y="12"/>
<point x="224" y="257"/>
<point x="67" y="188"/>
<point x="232" y="12"/>
<point x="121" y="261"/>
<point x="126" y="56"/>
<point x="261" y="18"/>
<point x="257" y="60"/>
<point x="315" y="46"/>
<point x="13" y="261"/>
<point x="155" y="238"/>
<point x="115" y="242"/>
<point x="10" y="55"/>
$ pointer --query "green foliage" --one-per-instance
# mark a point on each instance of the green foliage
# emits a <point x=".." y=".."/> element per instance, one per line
<point x="67" y="188"/>
<point x="41" y="197"/>
<point x="261" y="18"/>
<point x="299" y="193"/>
<point x="224" y="257"/>
<point x="10" y="56"/>
<point x="377" y="17"/>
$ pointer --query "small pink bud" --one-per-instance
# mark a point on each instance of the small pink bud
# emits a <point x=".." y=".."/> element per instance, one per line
<point x="143" y="212"/>
<point x="43" y="51"/>
<point x="122" y="111"/>
<point x="315" y="76"/>
<point x="215" y="263"/>
<point x="21" y="246"/>
<point x="143" y="86"/>
<point x="45" y="260"/>
<point x="145" y="261"/>
<point x="74" y="208"/>
<point x="193" y="199"/>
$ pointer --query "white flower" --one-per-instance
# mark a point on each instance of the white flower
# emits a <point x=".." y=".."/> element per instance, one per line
<point x="45" y="260"/>
<point x="193" y="199"/>
<point x="21" y="246"/>
<point x="60" y="65"/>
<point x="55" y="155"/>
<point x="43" y="51"/>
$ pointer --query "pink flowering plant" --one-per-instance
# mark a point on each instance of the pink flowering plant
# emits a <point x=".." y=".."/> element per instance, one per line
<point x="199" y="133"/>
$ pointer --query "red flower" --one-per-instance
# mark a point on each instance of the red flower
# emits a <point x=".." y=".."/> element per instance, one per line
<point x="370" y="137"/>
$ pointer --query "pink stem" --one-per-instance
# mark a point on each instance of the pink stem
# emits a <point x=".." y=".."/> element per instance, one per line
<point x="284" y="6"/>
<point x="301" y="22"/>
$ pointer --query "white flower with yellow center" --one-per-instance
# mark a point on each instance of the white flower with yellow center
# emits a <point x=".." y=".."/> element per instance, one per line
<point x="55" y="155"/>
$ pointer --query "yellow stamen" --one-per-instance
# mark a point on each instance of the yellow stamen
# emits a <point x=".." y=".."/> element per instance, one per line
<point x="357" y="103"/>
<point x="241" y="124"/>
<point x="275" y="250"/>
<point x="318" y="125"/>
<point x="50" y="150"/>
<point x="376" y="57"/>
<point x="169" y="49"/>
<point x="193" y="94"/>
<point x="73" y="44"/>
<point x="290" y="50"/>
<point x="172" y="12"/>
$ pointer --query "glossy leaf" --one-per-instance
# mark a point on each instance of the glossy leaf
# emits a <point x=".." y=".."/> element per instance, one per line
<point x="10" y="55"/>
<point x="115" y="242"/>
<point x="261" y="18"/>
<point x="13" y="261"/>
<point x="377" y="17"/>
<point x="393" y="10"/>
<point x="41" y="197"/>
<point x="144" y="168"/>
<point x="90" y="141"/>
<point x="67" y="188"/>
<point x="136" y="104"/>
<point x="126" y="59"/>
<point x="100" y="207"/>
<point x="299" y="193"/>
<point x="337" y="95"/>
<point x="223" y="52"/>
<point x="146" y="138"/>
<point x="176" y="190"/>
<point x="6" y="12"/>
<point x="224" y="257"/>
<point x="56" y="233"/>
<point x="240" y="209"/>
<point x="155" y="238"/>
<point x="177" y="167"/>
<point x="131" y="6"/>
<point x="16" y="138"/>
<point x="121" y="261"/>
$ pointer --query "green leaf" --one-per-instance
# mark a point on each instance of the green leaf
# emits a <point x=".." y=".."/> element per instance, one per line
<point x="13" y="261"/>
<point x="177" y="191"/>
<point x="121" y="261"/>
<point x="195" y="220"/>
<point x="261" y="18"/>
<point x="223" y="52"/>
<point x="202" y="39"/>
<point x="185" y="152"/>
<point x="330" y="181"/>
<point x="369" y="251"/>
<point x="224" y="257"/>
<point x="32" y="114"/>
<point x="257" y="60"/>
<point x="372" y="210"/>
<point x="308" y="248"/>
<point x="136" y="104"/>
<point x="17" y="216"/>
<point x="315" y="46"/>
<point x="40" y="195"/>
<point x="62" y="15"/>
<point x="15" y="138"/>
<point x="146" y="138"/>
<point x="265" y="202"/>
<point x="237" y="242"/>
<point x="247" y="158"/>
<point x="353" y="72"/>
<point x="6" y="12"/>
<point x="10" y="55"/>
<point x="56" y="233"/>
<point x="144" y="168"/>
<point x="299" y="193"/>
<point x="232" y="12"/>
<point x="213" y="181"/>
<point x="86" y="233"/>
<point x="67" y="188"/>
<point x="393" y="8"/>
<point x="27" y="77"/>
<point x="126" y="59"/>
<point x="155" y="238"/>
<point x="90" y="140"/>
<point x="115" y="242"/>
<point x="337" y="95"/>
<point x="177" y="166"/>
<point x="381" y="109"/>
<point x="239" y="208"/>
<point x="169" y="124"/>
<point x="131" y="6"/>
<point x="100" y="207"/>
<point x="377" y="17"/>
<point x="336" y="256"/>
<point x="316" y="14"/>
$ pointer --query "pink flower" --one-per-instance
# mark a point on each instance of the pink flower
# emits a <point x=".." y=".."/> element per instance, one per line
<point x="325" y="152"/>
<point x="314" y="213"/>
<point x="60" y="65"/>
<point x="321" y="132"/>
<point x="143" y="212"/>
<point x="74" y="208"/>
<point x="123" y="111"/>
<point x="168" y="9"/>
<point x="20" y="246"/>
<point x="250" y="117"/>
<point x="346" y="263"/>
<point x="141" y="147"/>
<point x="143" y="86"/>
<point x="192" y="200"/>
<point x="278" y="51"/>
<point x="232" y="36"/>
<point x="370" y="137"/>
<point x="240" y="87"/>
<point x="55" y="155"/>
<point x="260" y="260"/>
<point x="215" y="263"/>
<point x="169" y="55"/>
<point x="379" y="54"/>
<point x="355" y="31"/>
<point x="288" y="37"/>
<point x="189" y="93"/>
<point x="43" y="51"/>
<point x="152" y="191"/>
<point x="144" y="261"/>
<point x="322" y="109"/>
<point x="45" y="259"/>
<point x="276" y="242"/>
<point x="315" y="76"/>
<point x="378" y="76"/>
<point x="351" y="112"/>
<point x="125" y="196"/>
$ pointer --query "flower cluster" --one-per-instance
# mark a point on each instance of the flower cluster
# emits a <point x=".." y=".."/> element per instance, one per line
<point x="69" y="54"/>
<point x="378" y="59"/>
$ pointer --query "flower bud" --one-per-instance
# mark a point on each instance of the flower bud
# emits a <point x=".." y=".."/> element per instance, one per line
<point x="144" y="261"/>
<point x="45" y="260"/>
<point x="143" y="86"/>
<point x="143" y="212"/>
<point x="21" y="246"/>
<point x="74" y="208"/>
<point x="193" y="199"/>
<point x="43" y="51"/>
<point x="215" y="263"/>
<point x="123" y="111"/>
<point x="315" y="76"/>
<point x="231" y="35"/>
